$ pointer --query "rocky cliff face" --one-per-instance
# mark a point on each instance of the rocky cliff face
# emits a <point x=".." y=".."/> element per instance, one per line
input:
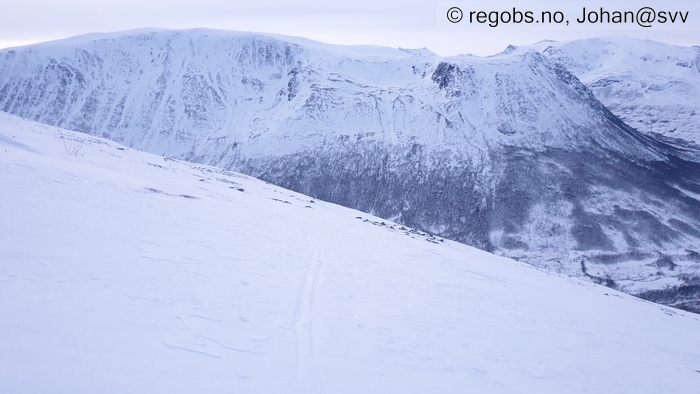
<point x="509" y="153"/>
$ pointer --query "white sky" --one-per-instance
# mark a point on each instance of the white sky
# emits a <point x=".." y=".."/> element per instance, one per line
<point x="395" y="23"/>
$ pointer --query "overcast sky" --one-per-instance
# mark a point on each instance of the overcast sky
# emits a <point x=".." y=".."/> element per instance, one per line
<point x="395" y="23"/>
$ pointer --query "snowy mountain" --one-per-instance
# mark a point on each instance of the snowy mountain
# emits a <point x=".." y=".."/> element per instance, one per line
<point x="509" y="153"/>
<point x="124" y="272"/>
<point x="654" y="87"/>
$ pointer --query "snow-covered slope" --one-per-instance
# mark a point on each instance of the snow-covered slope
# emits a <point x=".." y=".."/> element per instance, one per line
<point x="124" y="272"/>
<point x="654" y="87"/>
<point x="509" y="153"/>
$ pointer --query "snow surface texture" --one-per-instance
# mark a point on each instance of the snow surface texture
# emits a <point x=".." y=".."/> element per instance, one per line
<point x="510" y="153"/>
<point x="653" y="87"/>
<point x="121" y="271"/>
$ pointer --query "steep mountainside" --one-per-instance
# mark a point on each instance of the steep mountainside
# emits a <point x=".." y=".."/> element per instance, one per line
<point x="121" y="272"/>
<point x="653" y="87"/>
<point x="510" y="153"/>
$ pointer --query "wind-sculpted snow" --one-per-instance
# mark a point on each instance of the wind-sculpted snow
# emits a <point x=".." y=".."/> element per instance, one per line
<point x="122" y="272"/>
<point x="509" y="153"/>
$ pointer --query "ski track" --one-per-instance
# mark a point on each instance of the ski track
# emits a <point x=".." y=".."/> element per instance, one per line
<point x="303" y="314"/>
<point x="105" y="288"/>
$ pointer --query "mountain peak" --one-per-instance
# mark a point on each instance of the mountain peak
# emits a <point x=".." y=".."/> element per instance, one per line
<point x="649" y="84"/>
<point x="512" y="153"/>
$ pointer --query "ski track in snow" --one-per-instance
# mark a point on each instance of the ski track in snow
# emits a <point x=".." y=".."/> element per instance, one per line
<point x="303" y="312"/>
<point x="110" y="288"/>
<point x="370" y="105"/>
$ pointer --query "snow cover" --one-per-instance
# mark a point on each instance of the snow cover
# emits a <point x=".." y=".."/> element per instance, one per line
<point x="654" y="87"/>
<point x="121" y="271"/>
<point x="510" y="153"/>
<point x="210" y="96"/>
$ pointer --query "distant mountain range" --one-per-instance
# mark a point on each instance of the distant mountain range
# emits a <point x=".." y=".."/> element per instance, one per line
<point x="509" y="153"/>
<point x="653" y="87"/>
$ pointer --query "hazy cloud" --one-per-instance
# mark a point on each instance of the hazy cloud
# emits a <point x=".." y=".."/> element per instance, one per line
<point x="407" y="23"/>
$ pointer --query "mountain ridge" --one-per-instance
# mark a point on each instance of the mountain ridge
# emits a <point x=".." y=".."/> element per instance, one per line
<point x="510" y="153"/>
<point x="652" y="86"/>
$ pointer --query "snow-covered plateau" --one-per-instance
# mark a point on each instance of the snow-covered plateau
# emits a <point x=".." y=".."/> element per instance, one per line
<point x="124" y="272"/>
<point x="509" y="153"/>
